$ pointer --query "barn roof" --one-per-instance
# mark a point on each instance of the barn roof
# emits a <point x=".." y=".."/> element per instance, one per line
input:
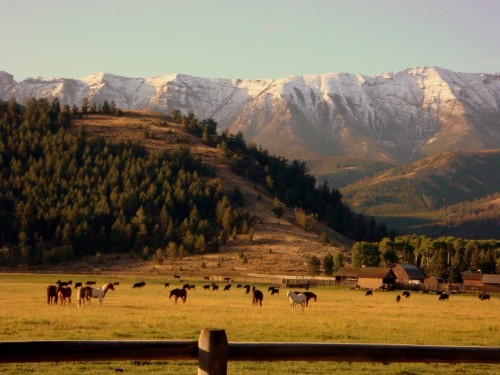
<point x="435" y="277"/>
<point x="411" y="271"/>
<point x="491" y="279"/>
<point x="347" y="272"/>
<point x="472" y="276"/>
<point x="376" y="273"/>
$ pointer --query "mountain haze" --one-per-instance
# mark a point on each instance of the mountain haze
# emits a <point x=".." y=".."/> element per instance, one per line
<point x="392" y="117"/>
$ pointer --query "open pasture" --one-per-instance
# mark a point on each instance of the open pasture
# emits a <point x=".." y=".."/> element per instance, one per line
<point x="342" y="316"/>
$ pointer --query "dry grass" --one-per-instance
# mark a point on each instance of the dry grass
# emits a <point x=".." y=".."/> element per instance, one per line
<point x="338" y="316"/>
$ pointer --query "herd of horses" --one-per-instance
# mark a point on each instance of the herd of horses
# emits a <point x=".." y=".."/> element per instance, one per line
<point x="84" y="293"/>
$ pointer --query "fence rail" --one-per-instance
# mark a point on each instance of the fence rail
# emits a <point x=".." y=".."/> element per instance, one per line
<point x="213" y="352"/>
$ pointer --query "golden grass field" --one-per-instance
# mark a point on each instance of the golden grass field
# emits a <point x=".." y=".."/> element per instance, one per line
<point x="339" y="316"/>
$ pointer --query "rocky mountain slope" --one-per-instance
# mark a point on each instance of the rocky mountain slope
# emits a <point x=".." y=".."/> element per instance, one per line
<point x="393" y="117"/>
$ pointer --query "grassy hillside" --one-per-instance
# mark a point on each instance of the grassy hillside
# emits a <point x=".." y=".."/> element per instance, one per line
<point x="433" y="183"/>
<point x="341" y="171"/>
<point x="450" y="194"/>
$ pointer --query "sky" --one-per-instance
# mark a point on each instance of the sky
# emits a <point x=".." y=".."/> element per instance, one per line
<point x="257" y="39"/>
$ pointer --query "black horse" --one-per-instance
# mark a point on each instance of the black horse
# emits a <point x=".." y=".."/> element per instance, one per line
<point x="257" y="298"/>
<point x="178" y="293"/>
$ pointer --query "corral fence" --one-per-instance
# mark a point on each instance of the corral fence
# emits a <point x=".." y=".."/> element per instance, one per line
<point x="213" y="351"/>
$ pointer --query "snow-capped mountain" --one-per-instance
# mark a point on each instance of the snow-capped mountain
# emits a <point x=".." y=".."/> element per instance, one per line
<point x="399" y="116"/>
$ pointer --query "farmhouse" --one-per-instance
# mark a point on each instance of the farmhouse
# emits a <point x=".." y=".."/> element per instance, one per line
<point x="407" y="275"/>
<point x="376" y="278"/>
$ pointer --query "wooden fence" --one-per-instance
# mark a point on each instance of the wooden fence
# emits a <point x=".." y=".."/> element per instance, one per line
<point x="213" y="352"/>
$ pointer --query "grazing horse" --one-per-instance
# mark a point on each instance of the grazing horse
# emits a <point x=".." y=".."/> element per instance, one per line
<point x="296" y="299"/>
<point x="247" y="287"/>
<point x="206" y="278"/>
<point x="185" y="286"/>
<point x="52" y="294"/>
<point x="178" y="293"/>
<point x="78" y="285"/>
<point x="64" y="292"/>
<point x="310" y="295"/>
<point x="206" y="287"/>
<point x="406" y="294"/>
<point x="275" y="291"/>
<point x="139" y="285"/>
<point x="215" y="287"/>
<point x="444" y="296"/>
<point x="369" y="293"/>
<point x="87" y="292"/>
<point x="484" y="297"/>
<point x="257" y="297"/>
<point x="177" y="277"/>
<point x="167" y="285"/>
<point x="238" y="286"/>
<point x="227" y="287"/>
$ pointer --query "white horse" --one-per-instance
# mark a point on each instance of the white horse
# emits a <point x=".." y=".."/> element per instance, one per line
<point x="296" y="299"/>
<point x="85" y="293"/>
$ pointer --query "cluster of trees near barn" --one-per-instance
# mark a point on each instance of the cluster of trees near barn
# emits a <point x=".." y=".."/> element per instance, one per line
<point x="446" y="257"/>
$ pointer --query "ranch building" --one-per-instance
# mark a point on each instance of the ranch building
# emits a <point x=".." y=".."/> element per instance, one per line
<point x="472" y="281"/>
<point x="434" y="283"/>
<point x="376" y="278"/>
<point x="346" y="276"/>
<point x="407" y="275"/>
<point x="491" y="283"/>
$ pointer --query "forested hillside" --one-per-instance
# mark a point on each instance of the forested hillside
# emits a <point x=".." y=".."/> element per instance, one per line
<point x="65" y="194"/>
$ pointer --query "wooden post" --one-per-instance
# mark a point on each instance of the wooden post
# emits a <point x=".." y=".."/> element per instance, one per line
<point x="212" y="352"/>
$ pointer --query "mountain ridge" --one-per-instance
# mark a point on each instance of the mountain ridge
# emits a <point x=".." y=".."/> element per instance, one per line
<point x="396" y="117"/>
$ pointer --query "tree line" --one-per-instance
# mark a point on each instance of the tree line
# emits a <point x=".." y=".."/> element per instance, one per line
<point x="65" y="194"/>
<point x="447" y="257"/>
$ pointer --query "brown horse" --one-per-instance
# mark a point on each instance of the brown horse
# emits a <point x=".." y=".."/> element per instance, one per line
<point x="64" y="292"/>
<point x="51" y="294"/>
<point x="178" y="293"/>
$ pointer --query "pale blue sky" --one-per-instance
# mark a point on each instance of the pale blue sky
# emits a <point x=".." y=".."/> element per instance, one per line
<point x="246" y="39"/>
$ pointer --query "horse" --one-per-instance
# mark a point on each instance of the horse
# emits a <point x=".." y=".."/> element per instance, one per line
<point x="296" y="299"/>
<point x="177" y="277"/>
<point x="444" y="296"/>
<point x="185" y="286"/>
<point x="227" y="287"/>
<point x="406" y="294"/>
<point x="167" y="285"/>
<point x="87" y="292"/>
<point x="206" y="278"/>
<point x="247" y="288"/>
<point x="484" y="297"/>
<point x="178" y="293"/>
<point x="206" y="287"/>
<point x="139" y="285"/>
<point x="52" y="294"/>
<point x="368" y="293"/>
<point x="192" y="286"/>
<point x="238" y="286"/>
<point x="275" y="291"/>
<point x="64" y="292"/>
<point x="398" y="298"/>
<point x="228" y="279"/>
<point x="310" y="295"/>
<point x="257" y="297"/>
<point x="78" y="285"/>
<point x="215" y="287"/>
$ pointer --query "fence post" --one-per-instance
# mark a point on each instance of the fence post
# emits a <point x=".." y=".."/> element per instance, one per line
<point x="212" y="352"/>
